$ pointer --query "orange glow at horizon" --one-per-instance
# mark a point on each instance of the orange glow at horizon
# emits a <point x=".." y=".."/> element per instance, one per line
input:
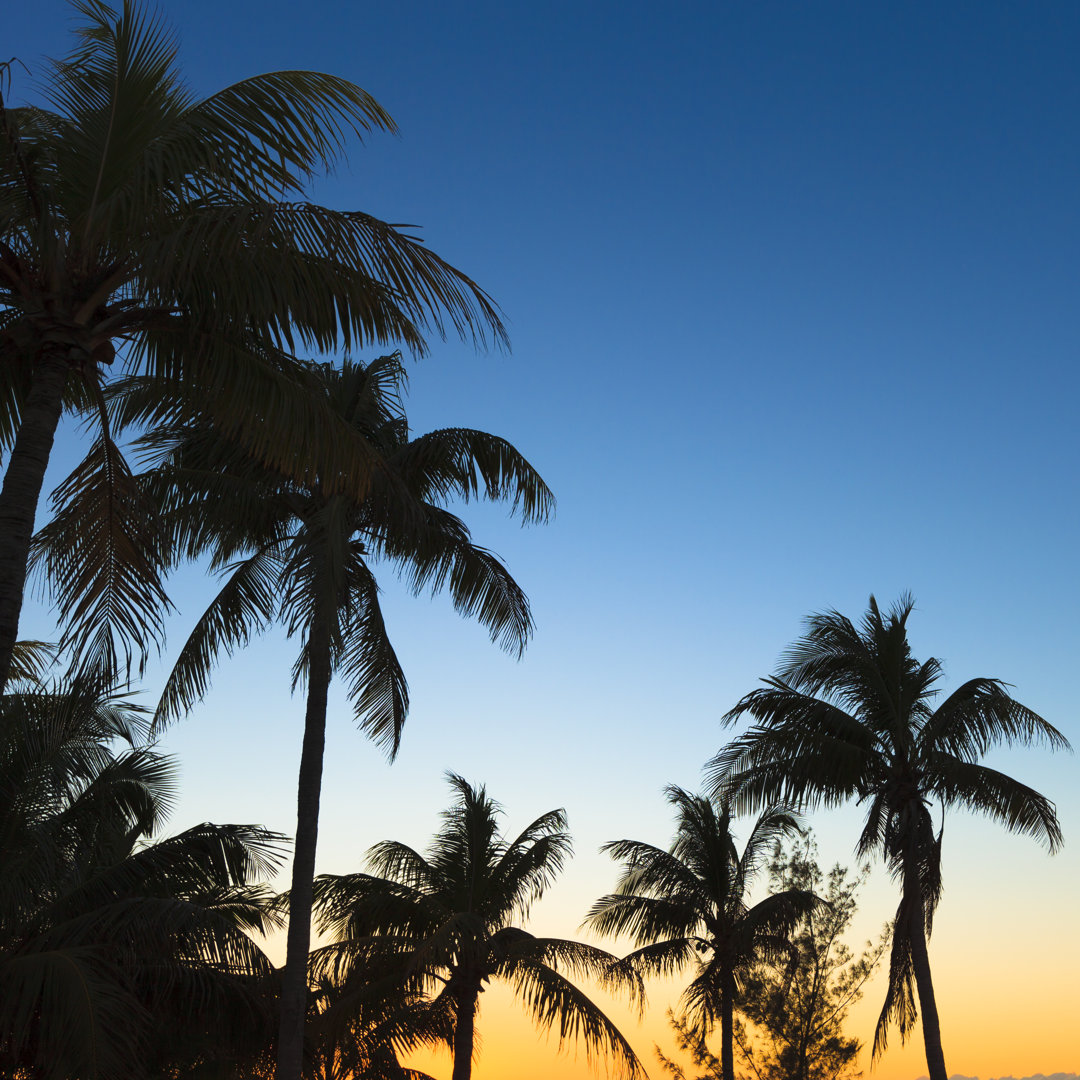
<point x="994" y="1024"/>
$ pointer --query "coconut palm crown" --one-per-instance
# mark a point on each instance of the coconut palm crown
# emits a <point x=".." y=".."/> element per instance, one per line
<point x="117" y="944"/>
<point x="304" y="553"/>
<point x="689" y="906"/>
<point x="451" y="920"/>
<point x="851" y="714"/>
<point x="143" y="224"/>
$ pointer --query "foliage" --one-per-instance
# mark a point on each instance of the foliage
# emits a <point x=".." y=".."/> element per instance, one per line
<point x="852" y="715"/>
<point x="693" y="1044"/>
<point x="139" y="223"/>
<point x="796" y="1011"/>
<point x="363" y="1024"/>
<point x="449" y="922"/>
<point x="689" y="906"/>
<point x="302" y="552"/>
<point x="296" y="551"/>
<point x="116" y="949"/>
<point x="357" y="1027"/>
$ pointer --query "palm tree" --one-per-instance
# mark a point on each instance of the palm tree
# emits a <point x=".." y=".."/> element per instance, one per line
<point x="851" y="714"/>
<point x="136" y="218"/>
<point x="300" y="553"/>
<point x="449" y="919"/>
<point x="689" y="904"/>
<point x="112" y="945"/>
<point x="360" y="1024"/>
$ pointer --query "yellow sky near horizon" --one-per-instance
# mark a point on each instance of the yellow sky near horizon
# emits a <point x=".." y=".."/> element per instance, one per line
<point x="1004" y="979"/>
<point x="986" y="1034"/>
<point x="1003" y="958"/>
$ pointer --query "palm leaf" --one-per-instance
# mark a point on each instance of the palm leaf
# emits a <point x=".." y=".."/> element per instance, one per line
<point x="557" y="1005"/>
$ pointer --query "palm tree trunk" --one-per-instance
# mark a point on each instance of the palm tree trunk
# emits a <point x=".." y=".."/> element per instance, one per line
<point x="920" y="962"/>
<point x="727" y="1025"/>
<point x="294" y="984"/>
<point x="464" y="1034"/>
<point x="22" y="490"/>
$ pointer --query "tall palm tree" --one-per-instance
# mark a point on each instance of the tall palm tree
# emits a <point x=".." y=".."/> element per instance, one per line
<point x="114" y="944"/>
<point x="851" y="714"/>
<point x="450" y="920"/>
<point x="299" y="552"/>
<point x="136" y="218"/>
<point x="689" y="904"/>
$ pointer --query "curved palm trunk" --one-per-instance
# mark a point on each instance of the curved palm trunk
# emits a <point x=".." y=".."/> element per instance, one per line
<point x="21" y="491"/>
<point x="294" y="983"/>
<point x="727" y="1026"/>
<point x="920" y="962"/>
<point x="464" y="1034"/>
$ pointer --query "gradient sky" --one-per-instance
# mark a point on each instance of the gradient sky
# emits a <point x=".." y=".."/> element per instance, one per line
<point x="792" y="291"/>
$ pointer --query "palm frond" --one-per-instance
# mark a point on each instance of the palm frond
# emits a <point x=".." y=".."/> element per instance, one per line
<point x="528" y="865"/>
<point x="773" y="825"/>
<point x="981" y="714"/>
<point x="480" y="585"/>
<point x="991" y="793"/>
<point x="64" y="1014"/>
<point x="30" y="662"/>
<point x="899" y="1007"/>
<point x="557" y="1005"/>
<point x="101" y="557"/>
<point x="107" y="939"/>
<point x="463" y="463"/>
<point x="661" y="958"/>
<point x="367" y="661"/>
<point x="243" y="607"/>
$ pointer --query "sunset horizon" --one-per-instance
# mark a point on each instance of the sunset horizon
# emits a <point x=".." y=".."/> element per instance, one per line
<point x="698" y="464"/>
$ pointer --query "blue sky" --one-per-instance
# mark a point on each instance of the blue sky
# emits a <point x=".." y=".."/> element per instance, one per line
<point x="792" y="295"/>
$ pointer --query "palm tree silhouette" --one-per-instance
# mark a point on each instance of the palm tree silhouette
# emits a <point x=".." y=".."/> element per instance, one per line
<point x="138" y="218"/>
<point x="688" y="905"/>
<point x="302" y="554"/>
<point x="450" y="918"/>
<point x="115" y="947"/>
<point x="359" y="1024"/>
<point x="850" y="714"/>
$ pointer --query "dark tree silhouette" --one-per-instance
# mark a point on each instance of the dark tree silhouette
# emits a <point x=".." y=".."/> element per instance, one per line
<point x="796" y="1009"/>
<point x="115" y="947"/>
<point x="450" y="919"/>
<point x="689" y="906"/>
<point x="138" y="220"/>
<point x="851" y="714"/>
<point x="302" y="554"/>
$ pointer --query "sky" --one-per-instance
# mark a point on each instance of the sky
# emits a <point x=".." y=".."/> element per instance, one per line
<point x="792" y="298"/>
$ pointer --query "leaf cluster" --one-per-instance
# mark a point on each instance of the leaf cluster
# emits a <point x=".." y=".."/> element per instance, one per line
<point x="139" y="222"/>
<point x="113" y="943"/>
<point x="852" y="715"/>
<point x="794" y="1013"/>
<point x="690" y="905"/>
<point x="447" y="922"/>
